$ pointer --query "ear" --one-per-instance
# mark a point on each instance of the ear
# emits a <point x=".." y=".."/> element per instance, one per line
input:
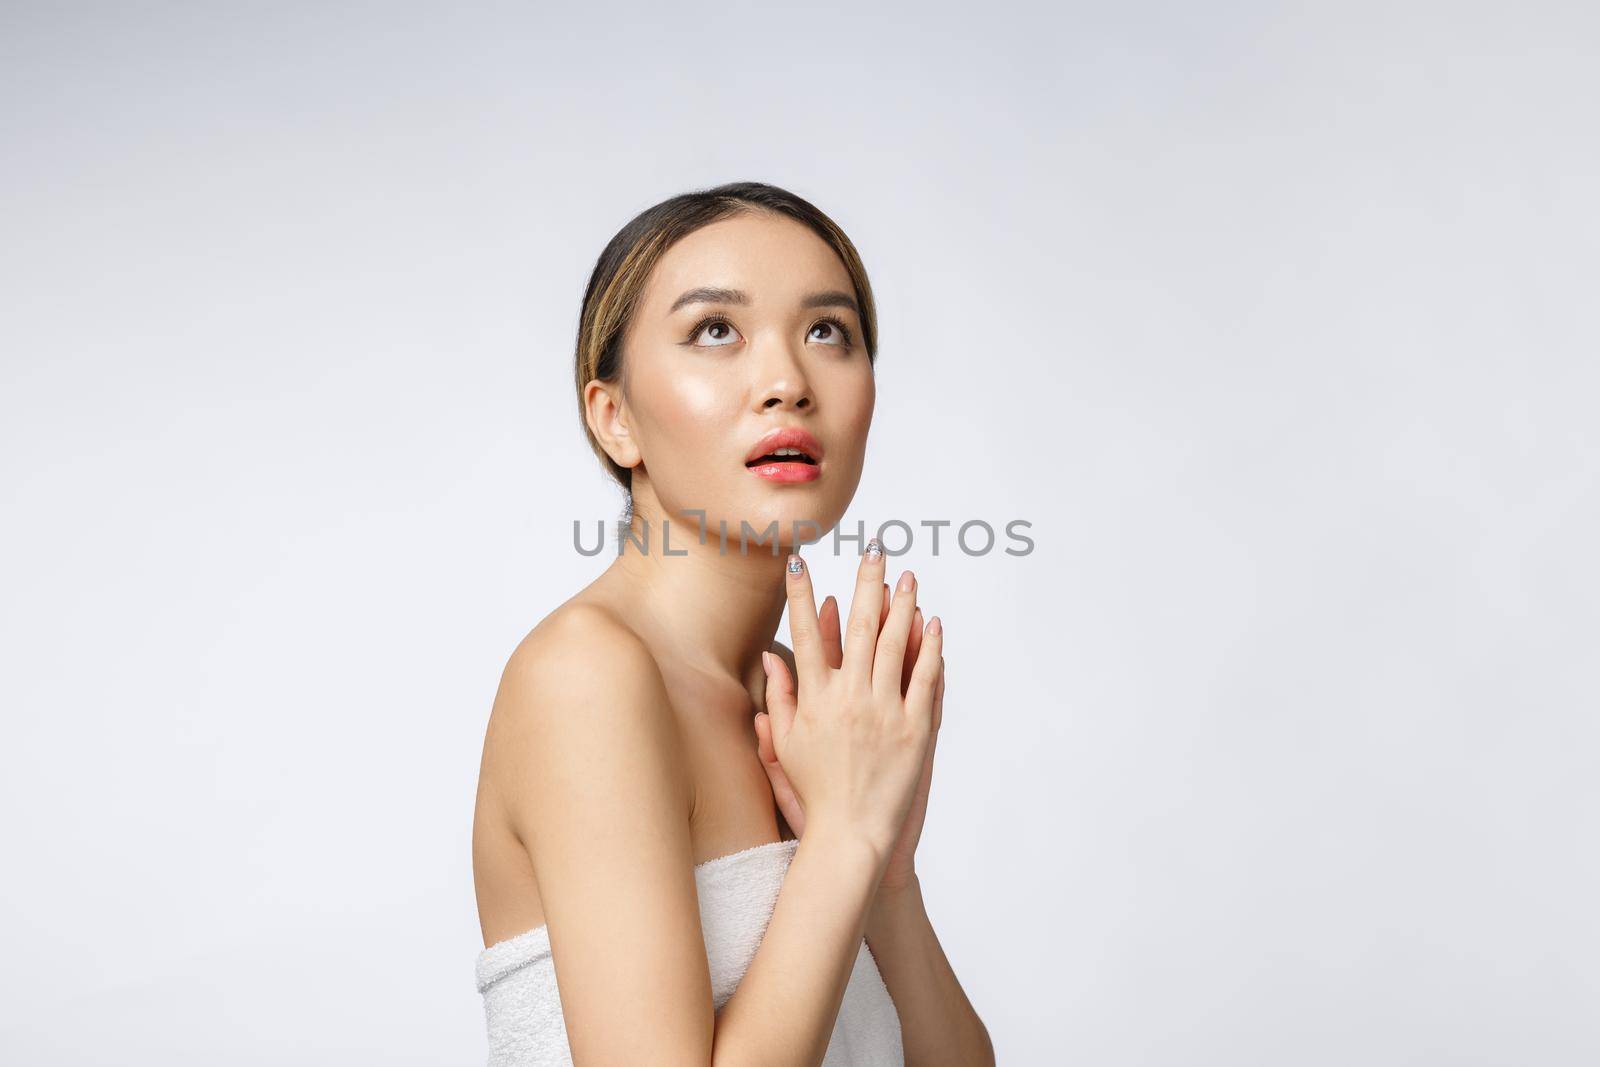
<point x="607" y="415"/>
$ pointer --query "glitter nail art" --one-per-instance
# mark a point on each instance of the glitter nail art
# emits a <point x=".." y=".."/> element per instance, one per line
<point x="795" y="565"/>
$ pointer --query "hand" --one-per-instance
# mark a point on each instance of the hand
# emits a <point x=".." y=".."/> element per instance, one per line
<point x="900" y="869"/>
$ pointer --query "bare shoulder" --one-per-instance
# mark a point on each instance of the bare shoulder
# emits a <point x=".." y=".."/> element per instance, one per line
<point x="576" y="644"/>
<point x="590" y="768"/>
<point x="582" y="686"/>
<point x="578" y="627"/>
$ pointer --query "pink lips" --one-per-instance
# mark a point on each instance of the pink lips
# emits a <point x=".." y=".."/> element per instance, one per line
<point x="787" y="468"/>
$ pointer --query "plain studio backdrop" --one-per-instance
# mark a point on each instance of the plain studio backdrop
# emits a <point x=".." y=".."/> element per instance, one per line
<point x="1276" y="323"/>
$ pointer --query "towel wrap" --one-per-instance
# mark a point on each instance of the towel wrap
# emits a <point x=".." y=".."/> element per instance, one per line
<point x="737" y="892"/>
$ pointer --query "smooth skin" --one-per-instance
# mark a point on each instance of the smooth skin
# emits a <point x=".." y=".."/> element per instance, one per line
<point x="901" y="869"/>
<point x="623" y="747"/>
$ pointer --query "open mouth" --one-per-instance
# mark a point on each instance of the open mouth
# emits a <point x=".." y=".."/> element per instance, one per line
<point x="783" y="455"/>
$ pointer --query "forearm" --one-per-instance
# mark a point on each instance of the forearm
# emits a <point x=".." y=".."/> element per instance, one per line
<point x="938" y="1025"/>
<point x="787" y="1003"/>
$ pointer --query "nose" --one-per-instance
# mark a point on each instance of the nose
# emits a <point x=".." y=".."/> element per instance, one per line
<point x="782" y="381"/>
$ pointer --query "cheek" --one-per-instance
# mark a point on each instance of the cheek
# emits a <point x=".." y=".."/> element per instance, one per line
<point x="683" y="408"/>
<point x="854" y="402"/>
<point x="700" y="402"/>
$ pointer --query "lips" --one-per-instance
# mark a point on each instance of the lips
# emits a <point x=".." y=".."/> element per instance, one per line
<point x="787" y="454"/>
<point x="785" y="438"/>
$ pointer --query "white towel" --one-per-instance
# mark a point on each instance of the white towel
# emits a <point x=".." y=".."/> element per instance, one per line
<point x="737" y="892"/>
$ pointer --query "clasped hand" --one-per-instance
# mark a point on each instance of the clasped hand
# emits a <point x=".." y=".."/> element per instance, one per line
<point x="852" y="738"/>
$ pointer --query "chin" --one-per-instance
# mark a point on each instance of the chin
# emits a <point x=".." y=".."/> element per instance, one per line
<point x="761" y="510"/>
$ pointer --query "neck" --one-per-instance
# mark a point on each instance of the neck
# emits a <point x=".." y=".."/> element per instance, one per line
<point x="714" y="609"/>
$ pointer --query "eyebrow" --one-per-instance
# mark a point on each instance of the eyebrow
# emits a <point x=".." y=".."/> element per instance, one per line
<point x="713" y="295"/>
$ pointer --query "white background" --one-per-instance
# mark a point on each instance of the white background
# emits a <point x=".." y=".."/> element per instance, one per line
<point x="1276" y="321"/>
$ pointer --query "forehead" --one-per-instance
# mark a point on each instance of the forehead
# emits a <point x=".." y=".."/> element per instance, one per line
<point x="772" y="257"/>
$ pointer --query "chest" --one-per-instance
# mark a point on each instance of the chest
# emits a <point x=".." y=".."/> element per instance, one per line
<point x="733" y="801"/>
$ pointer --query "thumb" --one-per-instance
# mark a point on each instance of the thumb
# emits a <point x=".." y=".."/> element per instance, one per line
<point x="780" y="695"/>
<point x="783" y="794"/>
<point x="764" y="749"/>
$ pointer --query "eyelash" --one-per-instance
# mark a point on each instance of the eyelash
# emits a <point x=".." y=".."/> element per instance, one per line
<point x="831" y="320"/>
<point x="694" y="331"/>
<point x="837" y="324"/>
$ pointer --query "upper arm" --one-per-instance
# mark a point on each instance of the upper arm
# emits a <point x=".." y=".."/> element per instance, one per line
<point x="598" y="790"/>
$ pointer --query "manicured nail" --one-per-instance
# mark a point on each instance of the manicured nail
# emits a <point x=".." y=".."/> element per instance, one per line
<point x="874" y="549"/>
<point x="907" y="580"/>
<point x="765" y="665"/>
<point x="934" y="626"/>
<point x="796" y="565"/>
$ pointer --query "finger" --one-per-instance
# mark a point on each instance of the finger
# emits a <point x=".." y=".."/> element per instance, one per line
<point x="861" y="629"/>
<point x="912" y="647"/>
<point x="927" y="765"/>
<point x="888" y="666"/>
<point x="783" y="792"/>
<point x="764" y="749"/>
<point x="803" y="632"/>
<point x="779" y="696"/>
<point x="925" y="676"/>
<point x="828" y="623"/>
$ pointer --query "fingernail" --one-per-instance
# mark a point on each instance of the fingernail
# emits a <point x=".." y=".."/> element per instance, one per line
<point x="874" y="549"/>
<point x="907" y="580"/>
<point x="934" y="626"/>
<point x="796" y="564"/>
<point x="765" y="666"/>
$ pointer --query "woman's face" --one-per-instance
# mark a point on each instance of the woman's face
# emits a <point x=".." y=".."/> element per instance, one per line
<point x="749" y="326"/>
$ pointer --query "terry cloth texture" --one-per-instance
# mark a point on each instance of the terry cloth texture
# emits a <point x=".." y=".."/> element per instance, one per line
<point x="522" y="1004"/>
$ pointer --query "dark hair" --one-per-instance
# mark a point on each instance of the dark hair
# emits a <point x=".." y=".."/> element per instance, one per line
<point x="620" y="274"/>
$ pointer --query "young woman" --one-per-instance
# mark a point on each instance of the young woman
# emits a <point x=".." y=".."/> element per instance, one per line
<point x="714" y="884"/>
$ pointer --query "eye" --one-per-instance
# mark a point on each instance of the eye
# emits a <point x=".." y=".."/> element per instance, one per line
<point x="720" y="331"/>
<point x="833" y="332"/>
